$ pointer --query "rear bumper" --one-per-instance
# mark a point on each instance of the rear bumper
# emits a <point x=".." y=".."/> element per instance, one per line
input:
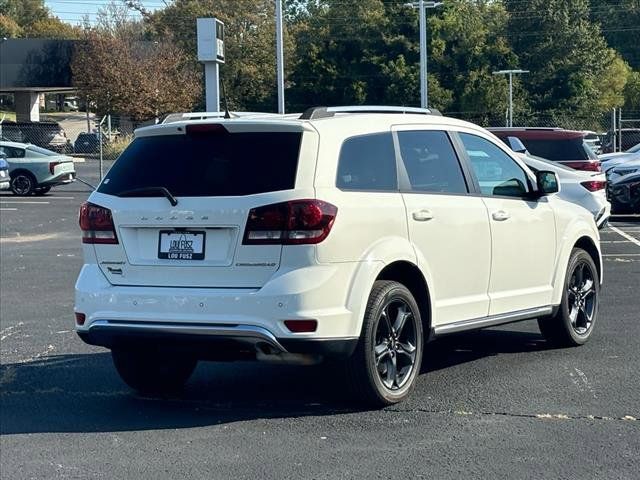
<point x="247" y="317"/>
<point x="61" y="179"/>
<point x="214" y="341"/>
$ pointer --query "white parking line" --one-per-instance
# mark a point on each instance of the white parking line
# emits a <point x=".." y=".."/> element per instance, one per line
<point x="13" y="198"/>
<point x="33" y="203"/>
<point x="8" y="209"/>
<point x="621" y="255"/>
<point x="625" y="235"/>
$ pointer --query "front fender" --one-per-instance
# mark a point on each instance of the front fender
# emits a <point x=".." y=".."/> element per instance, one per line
<point x="570" y="232"/>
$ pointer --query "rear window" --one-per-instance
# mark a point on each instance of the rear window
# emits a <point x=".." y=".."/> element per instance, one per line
<point x="565" y="149"/>
<point x="207" y="165"/>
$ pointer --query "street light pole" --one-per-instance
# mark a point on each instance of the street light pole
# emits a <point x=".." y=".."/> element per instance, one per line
<point x="279" y="57"/>
<point x="510" y="73"/>
<point x="422" y="5"/>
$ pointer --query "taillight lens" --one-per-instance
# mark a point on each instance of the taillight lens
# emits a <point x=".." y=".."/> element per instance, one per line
<point x="588" y="166"/>
<point x="52" y="166"/>
<point x="594" y="185"/>
<point x="96" y="224"/>
<point x="298" y="222"/>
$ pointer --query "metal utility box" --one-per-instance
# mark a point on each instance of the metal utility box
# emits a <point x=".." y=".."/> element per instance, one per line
<point x="210" y="40"/>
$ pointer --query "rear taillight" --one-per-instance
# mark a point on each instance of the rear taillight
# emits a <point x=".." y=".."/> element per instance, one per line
<point x="594" y="185"/>
<point x="588" y="166"/>
<point x="96" y="224"/>
<point x="52" y="166"/>
<point x="297" y="222"/>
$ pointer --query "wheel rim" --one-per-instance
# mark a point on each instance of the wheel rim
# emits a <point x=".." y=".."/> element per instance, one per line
<point x="581" y="296"/>
<point x="21" y="184"/>
<point x="395" y="344"/>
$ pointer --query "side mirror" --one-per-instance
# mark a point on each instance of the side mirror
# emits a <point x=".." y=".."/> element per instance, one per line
<point x="516" y="145"/>
<point x="547" y="182"/>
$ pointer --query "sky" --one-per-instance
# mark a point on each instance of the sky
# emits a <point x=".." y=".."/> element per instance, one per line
<point x="73" y="11"/>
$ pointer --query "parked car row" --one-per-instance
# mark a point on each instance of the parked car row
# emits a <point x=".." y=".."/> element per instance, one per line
<point x="35" y="170"/>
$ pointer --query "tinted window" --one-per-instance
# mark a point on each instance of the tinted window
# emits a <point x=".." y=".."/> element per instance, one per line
<point x="497" y="172"/>
<point x="41" y="151"/>
<point x="431" y="162"/>
<point x="561" y="149"/>
<point x="12" y="152"/>
<point x="207" y="164"/>
<point x="368" y="162"/>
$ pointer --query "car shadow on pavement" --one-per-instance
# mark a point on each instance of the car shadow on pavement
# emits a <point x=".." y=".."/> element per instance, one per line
<point x="82" y="393"/>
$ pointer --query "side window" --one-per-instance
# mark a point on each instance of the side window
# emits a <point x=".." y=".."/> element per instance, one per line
<point x="498" y="174"/>
<point x="368" y="162"/>
<point x="11" y="152"/>
<point x="431" y="162"/>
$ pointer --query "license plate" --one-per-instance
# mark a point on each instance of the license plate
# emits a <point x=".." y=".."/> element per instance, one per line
<point x="178" y="245"/>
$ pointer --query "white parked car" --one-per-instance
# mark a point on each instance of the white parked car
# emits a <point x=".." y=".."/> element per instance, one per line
<point x="355" y="232"/>
<point x="587" y="189"/>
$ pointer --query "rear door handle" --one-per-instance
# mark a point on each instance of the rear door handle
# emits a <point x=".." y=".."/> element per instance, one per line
<point x="422" y="215"/>
<point x="500" y="216"/>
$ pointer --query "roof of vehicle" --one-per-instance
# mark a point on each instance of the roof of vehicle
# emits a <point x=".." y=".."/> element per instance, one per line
<point x="537" y="133"/>
<point x="336" y="119"/>
<point x="14" y="144"/>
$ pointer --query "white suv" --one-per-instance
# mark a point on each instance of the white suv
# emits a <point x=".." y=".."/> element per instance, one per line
<point x="353" y="233"/>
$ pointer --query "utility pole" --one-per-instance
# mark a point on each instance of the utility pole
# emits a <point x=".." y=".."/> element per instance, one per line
<point x="422" y="5"/>
<point x="510" y="73"/>
<point x="279" y="57"/>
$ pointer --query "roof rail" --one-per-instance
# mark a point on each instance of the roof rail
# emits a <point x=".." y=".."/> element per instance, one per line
<point x="181" y="117"/>
<point x="325" y="112"/>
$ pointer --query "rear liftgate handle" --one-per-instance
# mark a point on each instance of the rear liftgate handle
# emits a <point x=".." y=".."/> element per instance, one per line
<point x="422" y="215"/>
<point x="500" y="216"/>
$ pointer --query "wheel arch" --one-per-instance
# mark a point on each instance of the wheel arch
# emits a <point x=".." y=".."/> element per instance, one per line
<point x="585" y="241"/>
<point x="587" y="244"/>
<point x="20" y="170"/>
<point x="409" y="275"/>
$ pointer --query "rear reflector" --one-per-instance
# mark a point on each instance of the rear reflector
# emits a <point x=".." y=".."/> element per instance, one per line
<point x="301" y="326"/>
<point x="80" y="318"/>
<point x="298" y="222"/>
<point x="588" y="166"/>
<point x="594" y="185"/>
<point x="96" y="224"/>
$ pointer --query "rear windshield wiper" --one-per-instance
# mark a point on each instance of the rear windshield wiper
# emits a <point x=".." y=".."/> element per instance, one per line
<point x="134" y="192"/>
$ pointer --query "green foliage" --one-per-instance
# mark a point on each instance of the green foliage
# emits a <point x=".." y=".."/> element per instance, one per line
<point x="620" y="20"/>
<point x="567" y="56"/>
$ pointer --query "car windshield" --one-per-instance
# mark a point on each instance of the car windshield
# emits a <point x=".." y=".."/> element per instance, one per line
<point x="41" y="151"/>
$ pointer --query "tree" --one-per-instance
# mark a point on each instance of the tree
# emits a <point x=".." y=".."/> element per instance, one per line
<point x="620" y="21"/>
<point x="9" y="28"/>
<point x="138" y="79"/>
<point x="51" y="27"/>
<point x="249" y="72"/>
<point x="568" y="57"/>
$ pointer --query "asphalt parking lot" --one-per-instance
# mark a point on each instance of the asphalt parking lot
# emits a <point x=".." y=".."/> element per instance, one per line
<point x="492" y="404"/>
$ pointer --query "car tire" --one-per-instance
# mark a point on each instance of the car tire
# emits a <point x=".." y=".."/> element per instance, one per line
<point x="23" y="184"/>
<point x="388" y="346"/>
<point x="152" y="372"/>
<point x="41" y="190"/>
<point x="575" y="319"/>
